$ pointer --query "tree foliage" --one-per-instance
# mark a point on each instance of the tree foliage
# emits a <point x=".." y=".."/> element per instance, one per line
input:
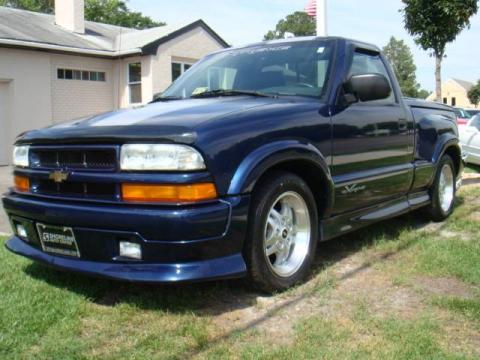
<point x="114" y="12"/>
<point x="474" y="94"/>
<point x="401" y="59"/>
<point x="435" y="23"/>
<point x="423" y="94"/>
<point x="298" y="23"/>
<point x="44" y="6"/>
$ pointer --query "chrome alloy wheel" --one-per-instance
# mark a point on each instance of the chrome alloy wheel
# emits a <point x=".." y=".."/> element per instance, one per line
<point x="287" y="234"/>
<point x="446" y="188"/>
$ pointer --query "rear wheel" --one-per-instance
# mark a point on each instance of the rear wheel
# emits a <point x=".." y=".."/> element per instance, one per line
<point x="283" y="232"/>
<point x="443" y="191"/>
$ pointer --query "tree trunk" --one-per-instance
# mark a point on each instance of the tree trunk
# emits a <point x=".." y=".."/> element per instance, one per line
<point x="438" y="76"/>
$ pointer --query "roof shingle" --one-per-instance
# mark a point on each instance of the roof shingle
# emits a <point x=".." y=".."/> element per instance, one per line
<point x="39" y="30"/>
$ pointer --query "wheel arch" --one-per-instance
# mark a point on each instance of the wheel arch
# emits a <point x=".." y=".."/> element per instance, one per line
<point x="302" y="159"/>
<point x="449" y="146"/>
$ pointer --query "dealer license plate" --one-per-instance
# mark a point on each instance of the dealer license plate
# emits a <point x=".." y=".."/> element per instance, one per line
<point x="59" y="240"/>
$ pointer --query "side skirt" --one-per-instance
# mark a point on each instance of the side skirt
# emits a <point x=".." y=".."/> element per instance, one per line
<point x="348" y="222"/>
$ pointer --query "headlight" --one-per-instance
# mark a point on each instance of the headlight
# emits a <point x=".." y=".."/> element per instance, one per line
<point x="148" y="157"/>
<point x="20" y="156"/>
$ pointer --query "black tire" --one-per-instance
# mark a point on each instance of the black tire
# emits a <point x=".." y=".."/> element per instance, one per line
<point x="435" y="211"/>
<point x="260" y="271"/>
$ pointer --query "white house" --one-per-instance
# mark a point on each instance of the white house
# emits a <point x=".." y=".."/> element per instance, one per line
<point x="60" y="67"/>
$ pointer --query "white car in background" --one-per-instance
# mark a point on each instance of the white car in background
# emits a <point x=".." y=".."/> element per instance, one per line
<point x="470" y="140"/>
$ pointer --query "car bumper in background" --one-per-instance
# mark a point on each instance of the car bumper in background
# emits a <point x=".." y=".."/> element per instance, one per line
<point x="471" y="158"/>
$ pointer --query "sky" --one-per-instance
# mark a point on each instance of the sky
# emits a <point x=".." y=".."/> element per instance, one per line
<point x="245" y="21"/>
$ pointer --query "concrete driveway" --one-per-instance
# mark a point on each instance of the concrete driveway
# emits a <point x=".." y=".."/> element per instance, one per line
<point x="5" y="183"/>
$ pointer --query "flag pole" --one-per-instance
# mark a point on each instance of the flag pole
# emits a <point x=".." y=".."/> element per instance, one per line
<point x="322" y="18"/>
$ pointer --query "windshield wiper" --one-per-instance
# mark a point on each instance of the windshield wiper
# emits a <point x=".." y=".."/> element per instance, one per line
<point x="222" y="92"/>
<point x="165" y="98"/>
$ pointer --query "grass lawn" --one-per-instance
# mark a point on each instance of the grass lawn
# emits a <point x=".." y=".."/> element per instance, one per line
<point x="403" y="289"/>
<point x="472" y="169"/>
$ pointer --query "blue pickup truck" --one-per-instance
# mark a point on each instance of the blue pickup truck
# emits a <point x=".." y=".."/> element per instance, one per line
<point x="240" y="168"/>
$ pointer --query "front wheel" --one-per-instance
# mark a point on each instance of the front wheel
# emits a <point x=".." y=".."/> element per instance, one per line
<point x="283" y="232"/>
<point x="443" y="191"/>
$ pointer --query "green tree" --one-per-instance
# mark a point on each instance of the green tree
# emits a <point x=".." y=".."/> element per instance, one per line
<point x="474" y="94"/>
<point x="401" y="59"/>
<point x="114" y="12"/>
<point x="434" y="24"/>
<point x="423" y="94"/>
<point x="298" y="23"/>
<point x="44" y="6"/>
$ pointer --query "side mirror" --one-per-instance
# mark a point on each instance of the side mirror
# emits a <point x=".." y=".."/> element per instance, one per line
<point x="367" y="87"/>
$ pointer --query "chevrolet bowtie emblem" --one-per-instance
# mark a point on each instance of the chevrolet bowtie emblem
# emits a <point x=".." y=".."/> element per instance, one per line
<point x="58" y="176"/>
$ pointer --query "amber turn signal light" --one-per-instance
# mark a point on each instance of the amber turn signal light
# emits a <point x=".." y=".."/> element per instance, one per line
<point x="22" y="183"/>
<point x="168" y="193"/>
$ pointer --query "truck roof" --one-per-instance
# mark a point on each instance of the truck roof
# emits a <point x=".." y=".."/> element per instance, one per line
<point x="358" y="43"/>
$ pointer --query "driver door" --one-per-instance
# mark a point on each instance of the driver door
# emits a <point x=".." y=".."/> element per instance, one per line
<point x="372" y="145"/>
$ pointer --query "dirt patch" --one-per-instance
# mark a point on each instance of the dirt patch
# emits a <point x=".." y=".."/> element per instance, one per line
<point x="460" y="235"/>
<point x="431" y="227"/>
<point x="475" y="216"/>
<point x="444" y="287"/>
<point x="467" y="176"/>
<point x="357" y="283"/>
<point x="375" y="289"/>
<point x="272" y="316"/>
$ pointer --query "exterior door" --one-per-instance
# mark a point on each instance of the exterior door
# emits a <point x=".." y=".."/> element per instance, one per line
<point x="4" y="125"/>
<point x="372" y="145"/>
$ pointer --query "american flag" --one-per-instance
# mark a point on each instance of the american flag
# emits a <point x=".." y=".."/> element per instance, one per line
<point x="311" y="8"/>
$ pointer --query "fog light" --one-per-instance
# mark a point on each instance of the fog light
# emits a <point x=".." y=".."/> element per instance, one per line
<point x="130" y="250"/>
<point x="21" y="231"/>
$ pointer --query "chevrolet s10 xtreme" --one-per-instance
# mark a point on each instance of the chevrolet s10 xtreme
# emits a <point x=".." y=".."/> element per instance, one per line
<point x="238" y="169"/>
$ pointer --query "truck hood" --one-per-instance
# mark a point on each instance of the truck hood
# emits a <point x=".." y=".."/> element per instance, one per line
<point x="173" y="121"/>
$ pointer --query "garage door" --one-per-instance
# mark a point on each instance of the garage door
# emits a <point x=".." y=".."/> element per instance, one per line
<point x="4" y="128"/>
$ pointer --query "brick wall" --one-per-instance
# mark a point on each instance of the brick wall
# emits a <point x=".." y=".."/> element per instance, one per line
<point x="73" y="99"/>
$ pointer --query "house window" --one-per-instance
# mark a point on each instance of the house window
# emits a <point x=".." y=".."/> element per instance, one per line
<point x="135" y="83"/>
<point x="70" y="74"/>
<point x="454" y="101"/>
<point x="445" y="101"/>
<point x="178" y="68"/>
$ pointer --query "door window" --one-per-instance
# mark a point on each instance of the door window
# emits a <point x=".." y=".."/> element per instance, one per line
<point x="365" y="63"/>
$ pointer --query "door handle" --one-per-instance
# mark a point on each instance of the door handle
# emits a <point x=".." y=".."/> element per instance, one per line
<point x="402" y="124"/>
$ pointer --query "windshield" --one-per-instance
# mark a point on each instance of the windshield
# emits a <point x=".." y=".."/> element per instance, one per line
<point x="297" y="69"/>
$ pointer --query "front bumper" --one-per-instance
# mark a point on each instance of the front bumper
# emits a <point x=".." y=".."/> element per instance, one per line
<point x="198" y="242"/>
<point x="220" y="268"/>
